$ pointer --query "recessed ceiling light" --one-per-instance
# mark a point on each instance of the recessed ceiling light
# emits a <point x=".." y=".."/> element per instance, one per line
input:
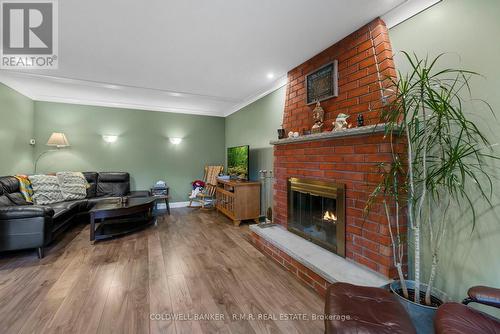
<point x="270" y="75"/>
<point x="110" y="86"/>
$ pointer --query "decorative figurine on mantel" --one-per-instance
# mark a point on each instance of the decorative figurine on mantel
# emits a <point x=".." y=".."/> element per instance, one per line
<point x="318" y="116"/>
<point x="340" y="123"/>
<point x="361" y="120"/>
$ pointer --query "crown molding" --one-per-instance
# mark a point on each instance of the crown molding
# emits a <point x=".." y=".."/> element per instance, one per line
<point x="19" y="88"/>
<point x="282" y="81"/>
<point x="135" y="106"/>
<point x="406" y="11"/>
<point x="276" y="85"/>
<point x="109" y="85"/>
<point x="16" y="80"/>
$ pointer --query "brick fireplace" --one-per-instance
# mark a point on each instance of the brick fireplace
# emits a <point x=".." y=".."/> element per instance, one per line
<point x="352" y="161"/>
<point x="350" y="158"/>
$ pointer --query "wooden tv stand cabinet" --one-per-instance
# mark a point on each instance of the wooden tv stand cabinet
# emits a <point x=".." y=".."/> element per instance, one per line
<point x="239" y="200"/>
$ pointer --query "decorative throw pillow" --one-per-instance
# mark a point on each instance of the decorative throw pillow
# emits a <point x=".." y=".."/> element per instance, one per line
<point x="46" y="189"/>
<point x="73" y="185"/>
<point x="25" y="187"/>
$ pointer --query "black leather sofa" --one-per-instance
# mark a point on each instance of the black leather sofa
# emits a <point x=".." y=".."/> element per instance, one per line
<point x="24" y="226"/>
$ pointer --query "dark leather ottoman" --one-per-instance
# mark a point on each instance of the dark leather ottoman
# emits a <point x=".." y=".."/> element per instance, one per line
<point x="370" y="310"/>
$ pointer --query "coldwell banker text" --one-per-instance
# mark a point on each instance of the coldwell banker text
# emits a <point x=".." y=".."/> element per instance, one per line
<point x="29" y="34"/>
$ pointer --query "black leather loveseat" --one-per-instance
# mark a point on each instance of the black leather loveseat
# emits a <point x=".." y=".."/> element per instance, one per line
<point x="23" y="225"/>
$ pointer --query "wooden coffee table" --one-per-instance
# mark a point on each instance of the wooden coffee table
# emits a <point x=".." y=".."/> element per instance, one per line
<point x="111" y="218"/>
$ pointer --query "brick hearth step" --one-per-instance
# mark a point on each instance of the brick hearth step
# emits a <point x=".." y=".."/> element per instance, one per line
<point x="312" y="264"/>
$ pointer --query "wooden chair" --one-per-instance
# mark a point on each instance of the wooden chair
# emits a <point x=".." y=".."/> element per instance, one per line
<point x="207" y="197"/>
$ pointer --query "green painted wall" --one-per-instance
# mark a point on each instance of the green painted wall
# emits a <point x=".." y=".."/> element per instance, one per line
<point x="255" y="125"/>
<point x="16" y="129"/>
<point x="469" y="31"/>
<point x="466" y="29"/>
<point x="142" y="149"/>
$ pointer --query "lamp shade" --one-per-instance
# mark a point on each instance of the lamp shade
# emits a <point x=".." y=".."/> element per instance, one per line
<point x="58" y="139"/>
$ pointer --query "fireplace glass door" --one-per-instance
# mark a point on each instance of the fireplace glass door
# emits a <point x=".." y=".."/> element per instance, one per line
<point x="318" y="216"/>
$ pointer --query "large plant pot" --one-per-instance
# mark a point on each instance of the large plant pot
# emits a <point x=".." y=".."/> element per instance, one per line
<point x="422" y="316"/>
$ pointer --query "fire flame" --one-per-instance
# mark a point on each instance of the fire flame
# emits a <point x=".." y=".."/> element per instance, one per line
<point x="329" y="216"/>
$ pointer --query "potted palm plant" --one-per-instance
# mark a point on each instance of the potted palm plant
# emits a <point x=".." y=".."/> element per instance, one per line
<point x="442" y="164"/>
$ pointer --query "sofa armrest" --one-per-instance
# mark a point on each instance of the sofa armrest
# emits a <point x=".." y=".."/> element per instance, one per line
<point x="25" y="226"/>
<point x="25" y="211"/>
<point x="483" y="295"/>
<point x="139" y="193"/>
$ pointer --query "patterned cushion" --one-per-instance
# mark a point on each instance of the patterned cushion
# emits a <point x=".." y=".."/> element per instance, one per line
<point x="73" y="185"/>
<point x="25" y="187"/>
<point x="46" y="189"/>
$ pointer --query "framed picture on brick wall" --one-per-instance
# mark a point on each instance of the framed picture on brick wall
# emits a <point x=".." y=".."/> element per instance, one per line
<point x="322" y="84"/>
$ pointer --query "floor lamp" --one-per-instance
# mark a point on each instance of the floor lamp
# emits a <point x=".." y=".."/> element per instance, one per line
<point x="56" y="139"/>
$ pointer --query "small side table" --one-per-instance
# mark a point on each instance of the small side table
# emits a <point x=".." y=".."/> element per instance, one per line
<point x="165" y="197"/>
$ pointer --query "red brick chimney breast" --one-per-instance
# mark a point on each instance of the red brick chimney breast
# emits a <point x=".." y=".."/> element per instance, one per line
<point x="364" y="62"/>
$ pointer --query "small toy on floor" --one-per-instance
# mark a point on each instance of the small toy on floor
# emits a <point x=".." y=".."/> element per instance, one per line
<point x="198" y="186"/>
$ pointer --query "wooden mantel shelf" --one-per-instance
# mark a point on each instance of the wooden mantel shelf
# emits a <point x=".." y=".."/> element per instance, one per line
<point x="358" y="131"/>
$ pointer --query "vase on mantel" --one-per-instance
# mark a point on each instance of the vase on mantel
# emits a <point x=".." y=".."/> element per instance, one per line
<point x="281" y="133"/>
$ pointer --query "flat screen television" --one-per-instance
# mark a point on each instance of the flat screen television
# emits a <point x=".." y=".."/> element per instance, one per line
<point x="237" y="162"/>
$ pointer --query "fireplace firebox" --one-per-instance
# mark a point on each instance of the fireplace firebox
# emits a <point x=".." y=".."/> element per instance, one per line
<point x="317" y="212"/>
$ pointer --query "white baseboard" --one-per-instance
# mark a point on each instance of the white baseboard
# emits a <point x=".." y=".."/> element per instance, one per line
<point x="179" y="205"/>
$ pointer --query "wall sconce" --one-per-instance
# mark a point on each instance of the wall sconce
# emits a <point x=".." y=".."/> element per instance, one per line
<point x="109" y="138"/>
<point x="175" y="141"/>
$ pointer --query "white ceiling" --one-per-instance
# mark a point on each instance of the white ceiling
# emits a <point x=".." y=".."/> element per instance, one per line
<point x="188" y="56"/>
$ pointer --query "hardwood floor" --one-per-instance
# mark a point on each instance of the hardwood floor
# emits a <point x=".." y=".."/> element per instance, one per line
<point x="191" y="264"/>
